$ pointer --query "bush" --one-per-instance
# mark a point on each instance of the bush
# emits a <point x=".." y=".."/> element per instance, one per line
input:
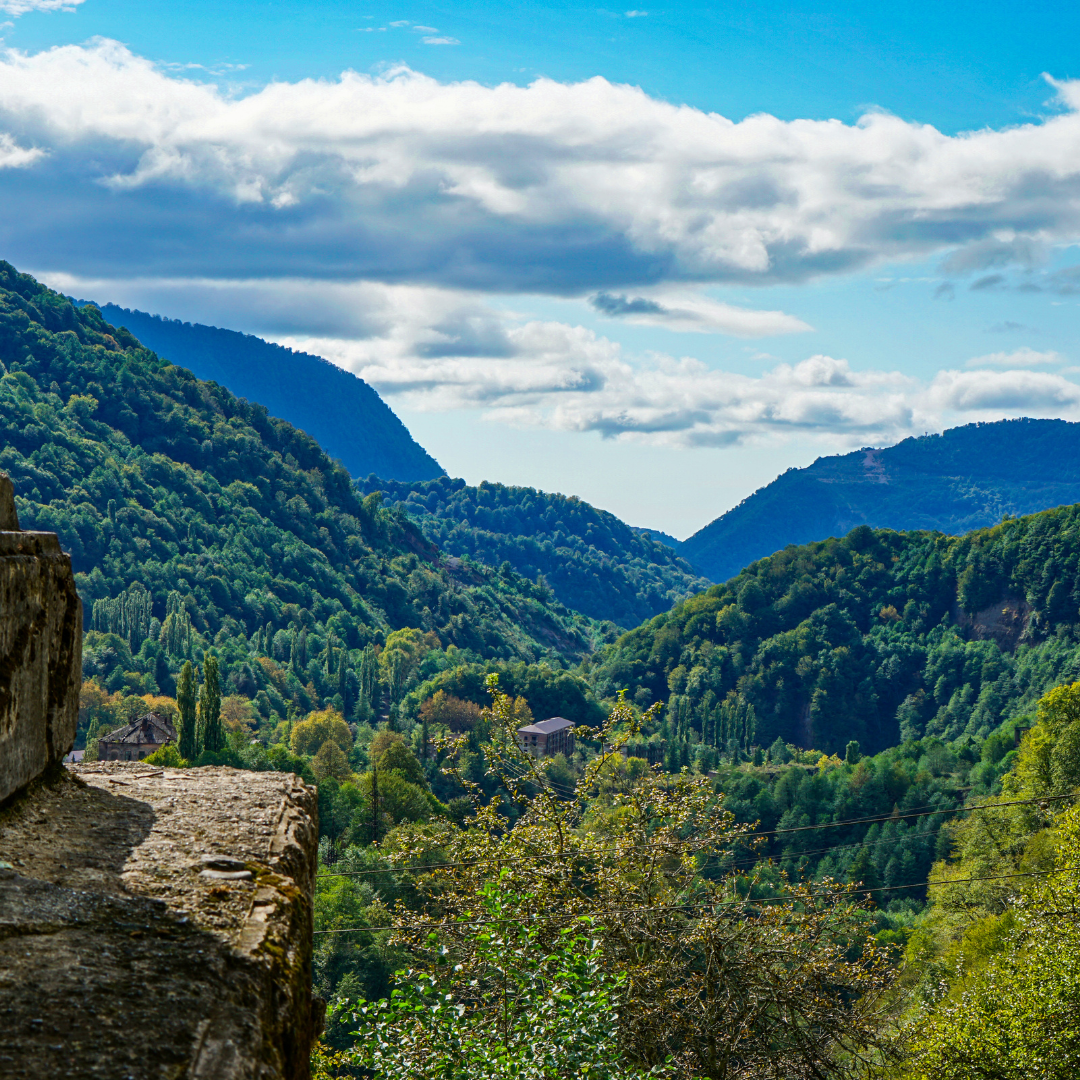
<point x="167" y="756"/>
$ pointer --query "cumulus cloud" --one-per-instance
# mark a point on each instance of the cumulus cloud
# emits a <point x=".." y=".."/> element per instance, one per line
<point x="436" y="349"/>
<point x="561" y="188"/>
<point x="1018" y="358"/>
<point x="997" y="392"/>
<point x="21" y="7"/>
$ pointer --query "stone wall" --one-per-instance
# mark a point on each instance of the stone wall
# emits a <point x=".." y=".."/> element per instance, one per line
<point x="40" y="650"/>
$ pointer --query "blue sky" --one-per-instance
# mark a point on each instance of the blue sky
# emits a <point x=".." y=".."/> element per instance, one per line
<point x="601" y="290"/>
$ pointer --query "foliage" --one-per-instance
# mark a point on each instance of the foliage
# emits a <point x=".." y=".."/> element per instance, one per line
<point x="232" y="529"/>
<point x="726" y="976"/>
<point x="591" y="560"/>
<point x="318" y="727"/>
<point x="167" y="756"/>
<point x="1016" y="1016"/>
<point x="211" y="732"/>
<point x="534" y="1013"/>
<point x="874" y="638"/>
<point x="187" y="732"/>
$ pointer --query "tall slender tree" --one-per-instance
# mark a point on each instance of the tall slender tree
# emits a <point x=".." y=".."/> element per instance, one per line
<point x="213" y="733"/>
<point x="343" y="682"/>
<point x="187" y="736"/>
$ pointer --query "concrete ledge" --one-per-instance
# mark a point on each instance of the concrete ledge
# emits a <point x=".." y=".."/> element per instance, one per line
<point x="157" y="924"/>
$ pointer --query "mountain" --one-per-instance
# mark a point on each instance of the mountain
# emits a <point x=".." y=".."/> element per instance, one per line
<point x="966" y="478"/>
<point x="592" y="561"/>
<point x="880" y="637"/>
<point x="340" y="411"/>
<point x="197" y="523"/>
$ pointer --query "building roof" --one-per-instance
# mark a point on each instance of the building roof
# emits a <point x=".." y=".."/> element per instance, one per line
<point x="546" y="727"/>
<point x="151" y="728"/>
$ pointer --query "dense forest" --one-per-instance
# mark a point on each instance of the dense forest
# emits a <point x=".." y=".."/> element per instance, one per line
<point x="340" y="411"/>
<point x="593" y="562"/>
<point x="845" y="778"/>
<point x="199" y="524"/>
<point x="879" y="637"/>
<point x="966" y="478"/>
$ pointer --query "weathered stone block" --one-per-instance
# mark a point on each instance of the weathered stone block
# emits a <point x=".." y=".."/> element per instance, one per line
<point x="40" y="650"/>
<point x="157" y="924"/>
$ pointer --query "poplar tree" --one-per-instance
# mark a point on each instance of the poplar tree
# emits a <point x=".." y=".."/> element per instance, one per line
<point x="187" y="736"/>
<point x="343" y="682"/>
<point x="213" y="733"/>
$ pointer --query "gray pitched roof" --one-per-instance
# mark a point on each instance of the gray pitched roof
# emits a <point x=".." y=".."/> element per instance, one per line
<point x="546" y="727"/>
<point x="151" y="728"/>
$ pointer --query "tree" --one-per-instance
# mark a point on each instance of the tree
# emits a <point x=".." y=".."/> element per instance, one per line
<point x="331" y="761"/>
<point x="188" y="735"/>
<point x="851" y="753"/>
<point x="538" y="1010"/>
<point x="725" y="975"/>
<point x="455" y="713"/>
<point x="213" y="732"/>
<point x="1017" y="1017"/>
<point x="318" y="727"/>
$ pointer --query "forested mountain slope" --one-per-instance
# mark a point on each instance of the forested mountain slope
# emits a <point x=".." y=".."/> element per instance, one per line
<point x="198" y="522"/>
<point x="340" y="411"/>
<point x="593" y="562"/>
<point x="879" y="637"/>
<point x="966" y="478"/>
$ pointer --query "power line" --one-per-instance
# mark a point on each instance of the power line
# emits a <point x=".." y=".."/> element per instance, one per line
<point x="677" y="908"/>
<point x="877" y="819"/>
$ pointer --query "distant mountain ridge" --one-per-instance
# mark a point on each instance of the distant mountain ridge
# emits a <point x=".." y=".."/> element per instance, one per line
<point x="340" y="411"/>
<point x="966" y="478"/>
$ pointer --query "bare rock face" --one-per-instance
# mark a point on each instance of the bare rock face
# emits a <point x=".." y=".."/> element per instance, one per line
<point x="157" y="924"/>
<point x="40" y="650"/>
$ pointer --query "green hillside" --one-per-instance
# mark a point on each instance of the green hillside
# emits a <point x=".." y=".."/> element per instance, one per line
<point x="966" y="478"/>
<point x="196" y="522"/>
<point x="879" y="637"/>
<point x="593" y="562"/>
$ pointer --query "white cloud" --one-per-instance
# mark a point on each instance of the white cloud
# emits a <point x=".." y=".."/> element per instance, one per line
<point x="696" y="314"/>
<point x="441" y="41"/>
<point x="13" y="156"/>
<point x="564" y="188"/>
<point x="636" y="14"/>
<point x="1018" y="358"/>
<point x="1017" y="393"/>
<point x="21" y="7"/>
<point x="437" y="350"/>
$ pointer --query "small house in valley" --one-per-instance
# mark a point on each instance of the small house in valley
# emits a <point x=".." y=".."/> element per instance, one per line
<point x="136" y="740"/>
<point x="548" y="737"/>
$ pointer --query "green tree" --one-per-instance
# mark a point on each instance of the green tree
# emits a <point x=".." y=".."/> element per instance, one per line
<point x="1017" y="1017"/>
<point x="210" y="726"/>
<point x="537" y="1011"/>
<point x="188" y="735"/>
<point x="721" y="980"/>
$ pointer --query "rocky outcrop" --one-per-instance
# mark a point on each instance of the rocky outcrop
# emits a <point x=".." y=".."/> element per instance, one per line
<point x="40" y="650"/>
<point x="155" y="924"/>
